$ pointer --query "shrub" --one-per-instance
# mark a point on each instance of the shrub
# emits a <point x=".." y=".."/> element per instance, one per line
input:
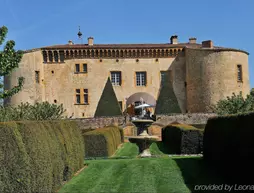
<point x="235" y="104"/>
<point x="15" y="175"/>
<point x="26" y="111"/>
<point x="122" y="134"/>
<point x="39" y="156"/>
<point x="229" y="144"/>
<point x="102" y="142"/>
<point x="182" y="139"/>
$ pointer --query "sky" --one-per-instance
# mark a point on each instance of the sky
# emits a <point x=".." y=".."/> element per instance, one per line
<point x="37" y="23"/>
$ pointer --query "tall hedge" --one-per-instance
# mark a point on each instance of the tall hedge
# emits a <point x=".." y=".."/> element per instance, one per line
<point x="229" y="144"/>
<point x="102" y="142"/>
<point x="108" y="104"/>
<point x="182" y="139"/>
<point x="167" y="102"/>
<point x="39" y="156"/>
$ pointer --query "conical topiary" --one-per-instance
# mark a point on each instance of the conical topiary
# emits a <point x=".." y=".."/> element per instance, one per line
<point x="108" y="104"/>
<point x="167" y="102"/>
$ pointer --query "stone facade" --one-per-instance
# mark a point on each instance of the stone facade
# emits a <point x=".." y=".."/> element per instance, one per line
<point x="200" y="75"/>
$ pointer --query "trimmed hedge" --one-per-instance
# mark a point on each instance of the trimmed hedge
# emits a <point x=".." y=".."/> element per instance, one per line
<point x="229" y="145"/>
<point x="167" y="102"/>
<point x="182" y="139"/>
<point x="108" y="104"/>
<point x="102" y="142"/>
<point x="39" y="156"/>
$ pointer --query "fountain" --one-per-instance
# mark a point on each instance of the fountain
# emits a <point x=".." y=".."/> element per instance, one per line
<point x="143" y="140"/>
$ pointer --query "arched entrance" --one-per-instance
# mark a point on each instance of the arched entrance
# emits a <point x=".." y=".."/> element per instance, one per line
<point x="137" y="99"/>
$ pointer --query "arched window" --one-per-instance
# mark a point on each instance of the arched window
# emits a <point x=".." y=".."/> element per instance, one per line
<point x="50" y="56"/>
<point x="142" y="53"/>
<point x="45" y="56"/>
<point x="71" y="54"/>
<point x="117" y="53"/>
<point x="150" y="53"/>
<point x="170" y="52"/>
<point x="67" y="54"/>
<point x="88" y="53"/>
<point x="154" y="53"/>
<point x="113" y="53"/>
<point x="166" y="52"/>
<point x="109" y="53"/>
<point x="129" y="54"/>
<point x="56" y="56"/>
<point x="61" y="53"/>
<point x="134" y="53"/>
<point x="162" y="53"/>
<point x="138" y="53"/>
<point x="96" y="53"/>
<point x="146" y="53"/>
<point x="121" y="53"/>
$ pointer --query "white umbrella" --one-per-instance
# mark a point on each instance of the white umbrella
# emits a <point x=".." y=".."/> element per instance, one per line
<point x="142" y="106"/>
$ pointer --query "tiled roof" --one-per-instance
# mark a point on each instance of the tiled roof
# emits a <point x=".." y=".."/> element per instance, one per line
<point x="122" y="46"/>
<point x="135" y="46"/>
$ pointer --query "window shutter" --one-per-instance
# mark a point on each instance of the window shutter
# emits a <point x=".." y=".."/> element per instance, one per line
<point x="120" y="78"/>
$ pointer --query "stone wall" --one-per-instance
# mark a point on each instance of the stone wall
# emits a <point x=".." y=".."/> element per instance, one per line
<point x="100" y="122"/>
<point x="188" y="118"/>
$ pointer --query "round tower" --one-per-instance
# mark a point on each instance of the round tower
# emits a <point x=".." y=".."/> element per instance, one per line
<point x="214" y="73"/>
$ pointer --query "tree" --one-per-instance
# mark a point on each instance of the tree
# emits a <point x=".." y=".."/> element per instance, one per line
<point x="108" y="104"/>
<point x="235" y="104"/>
<point x="26" y="111"/>
<point x="9" y="60"/>
<point x="252" y="92"/>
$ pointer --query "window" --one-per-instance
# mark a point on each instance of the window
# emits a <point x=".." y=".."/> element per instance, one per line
<point x="121" y="105"/>
<point x="85" y="68"/>
<point x="116" y="78"/>
<point x="163" y="77"/>
<point x="82" y="96"/>
<point x="45" y="57"/>
<point x="77" y="68"/>
<point x="56" y="56"/>
<point x="37" y="76"/>
<point x="61" y="56"/>
<point x="78" y="96"/>
<point x="239" y="73"/>
<point x="50" y="56"/>
<point x="85" y="96"/>
<point x="141" y="78"/>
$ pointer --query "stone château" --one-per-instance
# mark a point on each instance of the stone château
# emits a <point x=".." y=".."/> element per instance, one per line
<point x="75" y="74"/>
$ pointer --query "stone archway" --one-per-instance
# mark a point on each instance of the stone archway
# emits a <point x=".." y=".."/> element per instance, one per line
<point x="133" y="100"/>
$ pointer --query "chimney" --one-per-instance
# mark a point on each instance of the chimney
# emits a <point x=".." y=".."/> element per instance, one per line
<point x="192" y="40"/>
<point x="70" y="42"/>
<point x="90" y="41"/>
<point x="207" y="44"/>
<point x="173" y="39"/>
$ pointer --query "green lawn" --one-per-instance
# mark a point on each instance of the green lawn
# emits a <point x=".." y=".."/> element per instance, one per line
<point x="131" y="150"/>
<point x="151" y="175"/>
<point x="128" y="150"/>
